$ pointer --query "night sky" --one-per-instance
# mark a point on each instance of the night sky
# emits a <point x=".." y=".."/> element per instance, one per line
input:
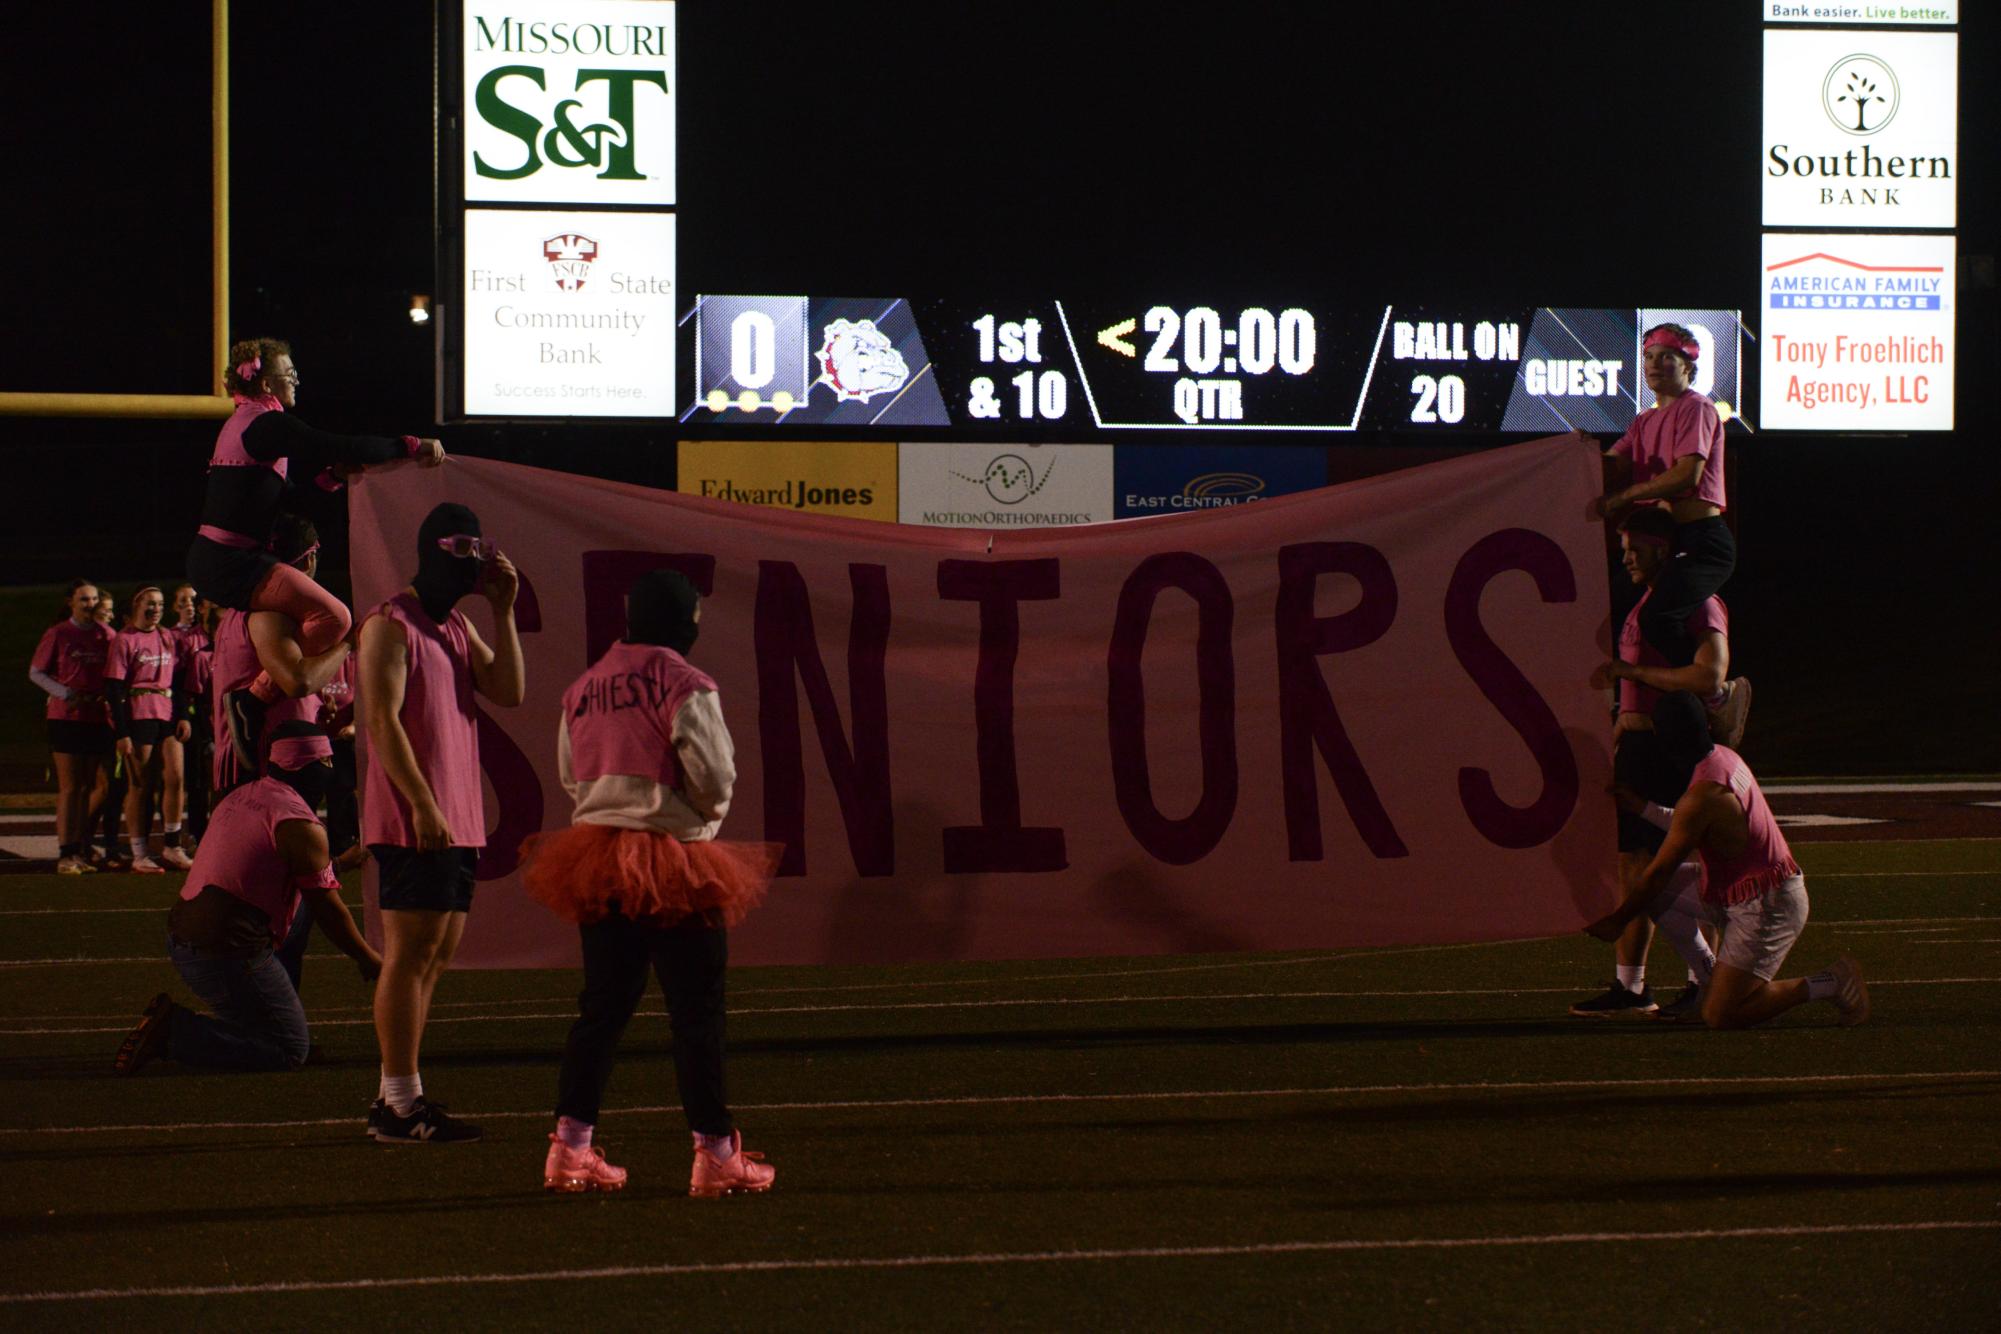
<point x="1590" y="155"/>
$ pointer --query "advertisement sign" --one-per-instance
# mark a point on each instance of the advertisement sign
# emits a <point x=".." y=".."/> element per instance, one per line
<point x="569" y="101"/>
<point x="1858" y="333"/>
<point x="1004" y="486"/>
<point x="1359" y="715"/>
<point x="569" y="314"/>
<point x="849" y="478"/>
<point x="1176" y="479"/>
<point x="1873" y="14"/>
<point x="1861" y="129"/>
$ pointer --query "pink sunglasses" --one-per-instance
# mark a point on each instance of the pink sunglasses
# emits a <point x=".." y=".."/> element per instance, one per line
<point x="463" y="545"/>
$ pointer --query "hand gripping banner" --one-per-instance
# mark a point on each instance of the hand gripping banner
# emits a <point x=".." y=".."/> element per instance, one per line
<point x="1346" y="717"/>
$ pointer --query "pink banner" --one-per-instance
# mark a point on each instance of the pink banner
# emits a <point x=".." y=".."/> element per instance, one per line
<point x="1354" y="716"/>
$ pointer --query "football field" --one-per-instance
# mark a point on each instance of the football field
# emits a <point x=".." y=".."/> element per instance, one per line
<point x="1415" y="1136"/>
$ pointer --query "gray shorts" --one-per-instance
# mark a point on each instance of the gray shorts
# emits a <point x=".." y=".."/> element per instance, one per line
<point x="1759" y="933"/>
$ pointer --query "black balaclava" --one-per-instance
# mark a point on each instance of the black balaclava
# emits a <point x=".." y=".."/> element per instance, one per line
<point x="310" y="780"/>
<point x="1682" y="729"/>
<point x="442" y="578"/>
<point x="660" y="609"/>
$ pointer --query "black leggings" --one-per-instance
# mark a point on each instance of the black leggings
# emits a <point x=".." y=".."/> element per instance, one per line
<point x="689" y="958"/>
<point x="1704" y="555"/>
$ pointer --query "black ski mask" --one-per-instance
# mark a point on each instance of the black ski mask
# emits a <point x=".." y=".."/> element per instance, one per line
<point x="310" y="780"/>
<point x="1682" y="729"/>
<point x="660" y="609"/>
<point x="442" y="578"/>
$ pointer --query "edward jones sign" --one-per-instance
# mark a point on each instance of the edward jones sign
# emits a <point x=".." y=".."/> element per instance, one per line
<point x="569" y="103"/>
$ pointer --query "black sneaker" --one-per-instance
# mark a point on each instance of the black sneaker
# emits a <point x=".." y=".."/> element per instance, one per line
<point x="374" y="1117"/>
<point x="1617" y="1003"/>
<point x="426" y="1124"/>
<point x="1683" y="1009"/>
<point x="244" y="714"/>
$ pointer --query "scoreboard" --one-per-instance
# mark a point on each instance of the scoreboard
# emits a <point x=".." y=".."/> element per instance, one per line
<point x="1086" y="363"/>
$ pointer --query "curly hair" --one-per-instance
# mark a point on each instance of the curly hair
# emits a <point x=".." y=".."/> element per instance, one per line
<point x="259" y="350"/>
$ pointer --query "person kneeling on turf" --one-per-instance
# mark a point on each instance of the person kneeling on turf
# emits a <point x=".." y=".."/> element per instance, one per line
<point x="643" y="752"/>
<point x="1752" y="887"/>
<point x="264" y="854"/>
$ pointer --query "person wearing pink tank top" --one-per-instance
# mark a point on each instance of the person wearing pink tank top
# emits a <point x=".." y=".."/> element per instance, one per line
<point x="423" y="815"/>
<point x="645" y="756"/>
<point x="265" y="858"/>
<point x="1752" y="887"/>
<point x="1673" y="455"/>
<point x="251" y="642"/>
<point x="1641" y="675"/>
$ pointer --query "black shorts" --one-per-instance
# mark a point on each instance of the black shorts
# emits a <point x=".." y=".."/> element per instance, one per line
<point x="228" y="576"/>
<point x="151" y="731"/>
<point x="414" y="880"/>
<point x="1640" y="764"/>
<point x="69" y="737"/>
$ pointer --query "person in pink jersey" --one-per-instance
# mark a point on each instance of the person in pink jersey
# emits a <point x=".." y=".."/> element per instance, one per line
<point x="1673" y="454"/>
<point x="643" y="752"/>
<point x="1752" y="888"/>
<point x="423" y="813"/>
<point x="249" y="481"/>
<point x="68" y="665"/>
<point x="248" y="643"/>
<point x="139" y="686"/>
<point x="1642" y="674"/>
<point x="186" y="635"/>
<point x="265" y="857"/>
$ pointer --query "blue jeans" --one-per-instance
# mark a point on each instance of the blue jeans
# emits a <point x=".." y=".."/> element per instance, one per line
<point x="258" y="1024"/>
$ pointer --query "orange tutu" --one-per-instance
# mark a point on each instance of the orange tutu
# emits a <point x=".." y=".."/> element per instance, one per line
<point x="584" y="872"/>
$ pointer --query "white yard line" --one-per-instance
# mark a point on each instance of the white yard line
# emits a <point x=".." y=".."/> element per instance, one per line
<point x="990" y="1258"/>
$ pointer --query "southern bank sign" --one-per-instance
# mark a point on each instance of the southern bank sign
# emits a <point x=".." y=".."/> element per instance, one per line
<point x="569" y="101"/>
<point x="1861" y="129"/>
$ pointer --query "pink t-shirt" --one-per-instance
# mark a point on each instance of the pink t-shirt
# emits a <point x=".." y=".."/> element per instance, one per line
<point x="239" y="853"/>
<point x="1661" y="435"/>
<point x="75" y="656"/>
<point x="145" y="661"/>
<point x="1712" y="617"/>
<point x="1766" y="860"/>
<point x="441" y="720"/>
<point x="233" y="665"/>
<point x="620" y="713"/>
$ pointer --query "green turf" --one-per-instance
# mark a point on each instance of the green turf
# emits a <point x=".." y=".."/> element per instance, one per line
<point x="1346" y="1117"/>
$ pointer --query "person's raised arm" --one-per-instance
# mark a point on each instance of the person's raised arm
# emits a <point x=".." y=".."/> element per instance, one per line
<point x="385" y="667"/>
<point x="303" y="845"/>
<point x="498" y="672"/>
<point x="275" y="637"/>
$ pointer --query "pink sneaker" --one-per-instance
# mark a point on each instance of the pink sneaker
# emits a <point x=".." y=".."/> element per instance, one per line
<point x="573" y="1171"/>
<point x="145" y="866"/>
<point x="174" y="857"/>
<point x="741" y="1171"/>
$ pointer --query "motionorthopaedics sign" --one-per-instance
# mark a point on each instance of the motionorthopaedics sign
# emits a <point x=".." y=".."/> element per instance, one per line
<point x="569" y="102"/>
<point x="1352" y="716"/>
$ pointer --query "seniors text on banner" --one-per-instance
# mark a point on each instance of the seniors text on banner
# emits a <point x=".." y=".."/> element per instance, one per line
<point x="1351" y="716"/>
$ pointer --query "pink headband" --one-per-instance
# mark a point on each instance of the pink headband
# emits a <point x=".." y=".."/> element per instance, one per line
<point x="246" y="370"/>
<point x="1665" y="337"/>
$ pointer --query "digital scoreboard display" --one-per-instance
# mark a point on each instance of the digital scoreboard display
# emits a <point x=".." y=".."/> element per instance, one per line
<point x="1277" y="365"/>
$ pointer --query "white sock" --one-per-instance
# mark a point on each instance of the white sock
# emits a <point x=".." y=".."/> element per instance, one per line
<point x="1822" y="986"/>
<point x="1680" y="919"/>
<point x="1633" y="977"/>
<point x="722" y="1148"/>
<point x="173" y="832"/>
<point x="401" y="1092"/>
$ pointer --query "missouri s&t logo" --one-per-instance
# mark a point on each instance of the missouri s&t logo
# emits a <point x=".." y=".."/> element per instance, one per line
<point x="606" y="146"/>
